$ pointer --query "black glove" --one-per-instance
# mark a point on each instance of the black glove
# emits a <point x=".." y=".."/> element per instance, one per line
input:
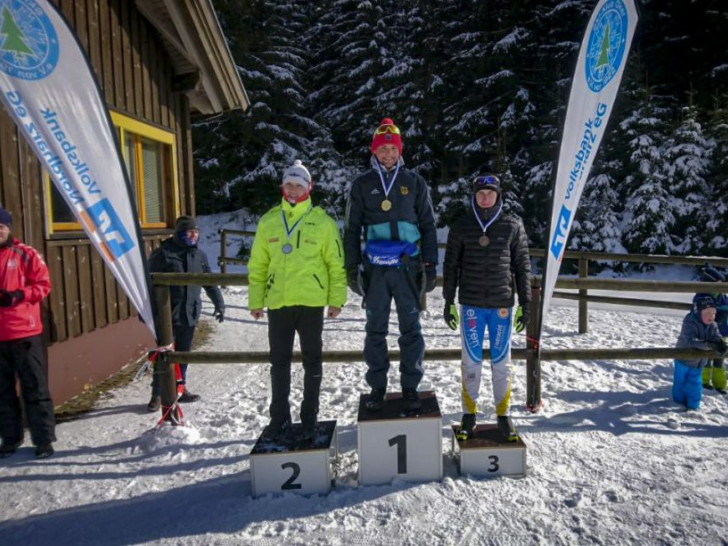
<point x="354" y="280"/>
<point x="522" y="316"/>
<point x="11" y="298"/>
<point x="219" y="314"/>
<point x="430" y="277"/>
<point x="450" y="315"/>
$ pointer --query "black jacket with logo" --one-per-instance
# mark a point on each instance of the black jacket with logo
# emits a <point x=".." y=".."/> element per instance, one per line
<point x="486" y="276"/>
<point x="411" y="204"/>
<point x="174" y="257"/>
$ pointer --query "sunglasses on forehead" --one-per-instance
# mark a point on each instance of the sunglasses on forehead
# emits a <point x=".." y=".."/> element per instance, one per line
<point x="485" y="181"/>
<point x="384" y="129"/>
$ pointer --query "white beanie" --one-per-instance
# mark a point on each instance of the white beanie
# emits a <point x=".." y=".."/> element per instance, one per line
<point x="297" y="174"/>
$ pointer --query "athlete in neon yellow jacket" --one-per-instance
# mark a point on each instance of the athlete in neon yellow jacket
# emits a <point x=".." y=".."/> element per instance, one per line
<point x="296" y="269"/>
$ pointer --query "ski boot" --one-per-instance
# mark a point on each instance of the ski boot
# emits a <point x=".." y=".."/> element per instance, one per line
<point x="467" y="427"/>
<point x="506" y="428"/>
<point x="308" y="430"/>
<point x="376" y="400"/>
<point x="43" y="451"/>
<point x="412" y="401"/>
<point x="9" y="448"/>
<point x="277" y="430"/>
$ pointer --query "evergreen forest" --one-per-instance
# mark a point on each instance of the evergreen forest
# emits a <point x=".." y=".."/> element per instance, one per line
<point x="479" y="86"/>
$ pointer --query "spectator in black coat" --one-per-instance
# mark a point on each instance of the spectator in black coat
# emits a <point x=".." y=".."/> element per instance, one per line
<point x="486" y="257"/>
<point x="180" y="254"/>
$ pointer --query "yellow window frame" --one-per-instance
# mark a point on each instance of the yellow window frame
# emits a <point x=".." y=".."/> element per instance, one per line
<point x="138" y="128"/>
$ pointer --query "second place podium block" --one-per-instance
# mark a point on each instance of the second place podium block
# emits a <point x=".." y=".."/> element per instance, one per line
<point x="294" y="466"/>
<point x="396" y="443"/>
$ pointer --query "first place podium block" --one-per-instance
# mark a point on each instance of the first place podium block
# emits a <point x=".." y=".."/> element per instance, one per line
<point x="293" y="465"/>
<point x="487" y="453"/>
<point x="395" y="443"/>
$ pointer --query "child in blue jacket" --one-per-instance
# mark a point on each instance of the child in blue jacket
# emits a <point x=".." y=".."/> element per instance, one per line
<point x="714" y="373"/>
<point x="699" y="331"/>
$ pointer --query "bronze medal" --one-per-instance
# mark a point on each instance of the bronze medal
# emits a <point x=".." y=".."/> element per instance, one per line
<point x="386" y="205"/>
<point x="484" y="241"/>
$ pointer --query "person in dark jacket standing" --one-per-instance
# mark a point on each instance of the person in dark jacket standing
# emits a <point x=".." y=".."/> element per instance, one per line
<point x="24" y="282"/>
<point x="699" y="331"/>
<point x="391" y="206"/>
<point x="486" y="252"/>
<point x="180" y="254"/>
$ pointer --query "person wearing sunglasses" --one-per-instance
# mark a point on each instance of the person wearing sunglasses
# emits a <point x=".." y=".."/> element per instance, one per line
<point x="390" y="206"/>
<point x="485" y="257"/>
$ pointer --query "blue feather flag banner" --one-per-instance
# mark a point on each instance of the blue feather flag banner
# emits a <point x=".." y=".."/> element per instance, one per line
<point x="599" y="69"/>
<point x="50" y="91"/>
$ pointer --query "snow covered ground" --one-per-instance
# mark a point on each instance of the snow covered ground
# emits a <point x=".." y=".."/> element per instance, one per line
<point x="611" y="460"/>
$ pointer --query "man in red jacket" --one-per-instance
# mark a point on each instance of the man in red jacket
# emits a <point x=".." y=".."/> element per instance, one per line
<point x="24" y="282"/>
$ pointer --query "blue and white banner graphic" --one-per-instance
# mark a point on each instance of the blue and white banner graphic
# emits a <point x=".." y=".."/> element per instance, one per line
<point x="599" y="69"/>
<point x="51" y="93"/>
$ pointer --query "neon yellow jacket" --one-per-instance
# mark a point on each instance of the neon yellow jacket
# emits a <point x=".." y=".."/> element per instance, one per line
<point x="311" y="274"/>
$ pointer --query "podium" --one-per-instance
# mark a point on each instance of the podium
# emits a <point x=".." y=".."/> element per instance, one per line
<point x="394" y="443"/>
<point x="487" y="453"/>
<point x="294" y="465"/>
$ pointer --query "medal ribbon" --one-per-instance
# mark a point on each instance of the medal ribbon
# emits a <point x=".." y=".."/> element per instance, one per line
<point x="483" y="226"/>
<point x="386" y="188"/>
<point x="289" y="232"/>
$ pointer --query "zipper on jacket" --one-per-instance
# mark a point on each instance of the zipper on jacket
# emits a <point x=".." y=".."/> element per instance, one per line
<point x="318" y="281"/>
<point x="298" y="239"/>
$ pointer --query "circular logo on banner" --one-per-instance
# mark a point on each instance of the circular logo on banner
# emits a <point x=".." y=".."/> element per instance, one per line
<point x="28" y="41"/>
<point x="606" y="45"/>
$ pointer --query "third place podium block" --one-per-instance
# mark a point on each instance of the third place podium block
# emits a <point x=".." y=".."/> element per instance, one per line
<point x="293" y="465"/>
<point x="395" y="443"/>
<point x="487" y="453"/>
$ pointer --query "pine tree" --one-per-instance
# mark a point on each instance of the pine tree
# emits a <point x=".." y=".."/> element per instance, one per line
<point x="688" y="155"/>
<point x="650" y="208"/>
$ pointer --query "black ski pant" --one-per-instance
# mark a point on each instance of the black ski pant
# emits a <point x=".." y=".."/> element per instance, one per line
<point x="25" y="359"/>
<point x="283" y="324"/>
<point x="403" y="285"/>
<point x="183" y="335"/>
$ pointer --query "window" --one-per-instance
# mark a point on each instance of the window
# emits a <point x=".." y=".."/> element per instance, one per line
<point x="151" y="163"/>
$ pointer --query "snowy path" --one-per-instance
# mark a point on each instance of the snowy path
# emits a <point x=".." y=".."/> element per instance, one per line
<point x="611" y="459"/>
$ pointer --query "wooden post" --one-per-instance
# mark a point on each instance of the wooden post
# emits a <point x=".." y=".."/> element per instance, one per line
<point x="165" y="369"/>
<point x="222" y="262"/>
<point x="583" y="310"/>
<point x="533" y="361"/>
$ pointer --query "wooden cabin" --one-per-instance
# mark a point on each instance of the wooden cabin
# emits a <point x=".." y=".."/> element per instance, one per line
<point x="158" y="62"/>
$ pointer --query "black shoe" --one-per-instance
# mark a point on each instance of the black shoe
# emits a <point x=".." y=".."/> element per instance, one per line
<point x="506" y="428"/>
<point x="467" y="427"/>
<point x="376" y="400"/>
<point x="187" y="397"/>
<point x="155" y="403"/>
<point x="708" y="386"/>
<point x="43" y="451"/>
<point x="721" y="391"/>
<point x="308" y="430"/>
<point x="411" y="400"/>
<point x="277" y="430"/>
<point x="9" y="448"/>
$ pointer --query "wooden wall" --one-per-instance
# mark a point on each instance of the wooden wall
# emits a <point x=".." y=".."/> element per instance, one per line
<point x="136" y="78"/>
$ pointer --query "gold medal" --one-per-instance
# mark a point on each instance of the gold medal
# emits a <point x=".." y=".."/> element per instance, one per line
<point x="484" y="241"/>
<point x="386" y="205"/>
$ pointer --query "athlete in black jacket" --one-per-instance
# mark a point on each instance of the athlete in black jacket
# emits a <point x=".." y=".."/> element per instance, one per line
<point x="485" y="261"/>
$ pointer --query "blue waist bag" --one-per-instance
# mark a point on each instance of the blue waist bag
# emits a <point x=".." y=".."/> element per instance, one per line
<point x="389" y="253"/>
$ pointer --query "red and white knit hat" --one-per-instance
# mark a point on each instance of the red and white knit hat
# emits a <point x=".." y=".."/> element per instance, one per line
<point x="387" y="133"/>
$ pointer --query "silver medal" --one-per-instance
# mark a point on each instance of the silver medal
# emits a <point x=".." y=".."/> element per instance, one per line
<point x="287" y="248"/>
